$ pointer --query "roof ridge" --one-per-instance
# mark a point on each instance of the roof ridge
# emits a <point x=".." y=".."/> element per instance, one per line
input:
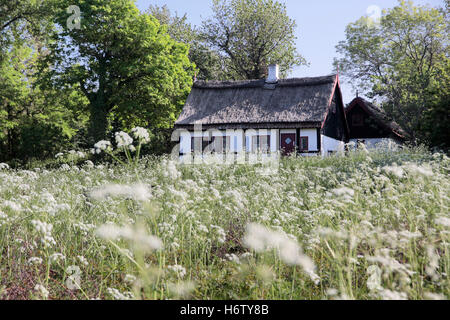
<point x="230" y="84"/>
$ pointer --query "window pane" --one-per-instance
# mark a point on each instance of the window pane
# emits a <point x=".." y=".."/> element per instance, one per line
<point x="264" y="142"/>
<point x="255" y="144"/>
<point x="218" y="144"/>
<point x="199" y="145"/>
<point x="196" y="144"/>
<point x="304" y="144"/>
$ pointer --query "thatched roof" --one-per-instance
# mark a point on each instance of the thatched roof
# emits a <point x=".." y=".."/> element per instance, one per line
<point x="379" y="115"/>
<point x="256" y="103"/>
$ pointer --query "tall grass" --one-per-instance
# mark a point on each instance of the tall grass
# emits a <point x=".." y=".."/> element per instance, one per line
<point x="364" y="226"/>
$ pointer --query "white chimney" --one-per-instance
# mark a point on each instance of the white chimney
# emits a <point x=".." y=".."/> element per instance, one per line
<point x="273" y="76"/>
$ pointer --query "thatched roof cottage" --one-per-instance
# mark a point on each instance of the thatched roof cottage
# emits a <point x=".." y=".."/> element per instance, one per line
<point x="303" y="115"/>
<point x="370" y="125"/>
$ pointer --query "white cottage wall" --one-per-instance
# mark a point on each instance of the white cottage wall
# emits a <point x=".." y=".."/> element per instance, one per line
<point x="331" y="145"/>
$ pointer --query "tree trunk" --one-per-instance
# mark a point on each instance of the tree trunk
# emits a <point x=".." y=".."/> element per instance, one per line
<point x="98" y="121"/>
<point x="10" y="137"/>
<point x="99" y="108"/>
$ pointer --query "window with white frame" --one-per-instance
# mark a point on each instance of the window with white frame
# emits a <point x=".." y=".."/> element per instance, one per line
<point x="261" y="143"/>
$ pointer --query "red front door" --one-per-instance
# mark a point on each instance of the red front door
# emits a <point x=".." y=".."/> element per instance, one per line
<point x="288" y="143"/>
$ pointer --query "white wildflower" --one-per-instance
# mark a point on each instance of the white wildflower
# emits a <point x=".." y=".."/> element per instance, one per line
<point x="123" y="139"/>
<point x="45" y="230"/>
<point x="233" y="258"/>
<point x="89" y="164"/>
<point x="73" y="281"/>
<point x="374" y="280"/>
<point x="4" y="166"/>
<point x="419" y="170"/>
<point x="65" y="167"/>
<point x="117" y="295"/>
<point x="443" y="221"/>
<point x="42" y="291"/>
<point x="331" y="292"/>
<point x="137" y="192"/>
<point x="386" y="294"/>
<point x="129" y="278"/>
<point x="217" y="233"/>
<point x="344" y="191"/>
<point x="81" y="154"/>
<point x="42" y="227"/>
<point x="170" y="170"/>
<point x="35" y="261"/>
<point x="410" y="235"/>
<point x="141" y="134"/>
<point x="137" y="237"/>
<point x="178" y="270"/>
<point x="433" y="263"/>
<point x="56" y="257"/>
<point x="434" y="296"/>
<point x="13" y="206"/>
<point x="394" y="170"/>
<point x="260" y="238"/>
<point x="102" y="146"/>
<point x="48" y="241"/>
<point x="83" y="260"/>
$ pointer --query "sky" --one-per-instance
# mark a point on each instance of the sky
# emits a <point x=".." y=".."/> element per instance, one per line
<point x="320" y="26"/>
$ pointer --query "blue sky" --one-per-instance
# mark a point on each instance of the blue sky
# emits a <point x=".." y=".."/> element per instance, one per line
<point x="320" y="26"/>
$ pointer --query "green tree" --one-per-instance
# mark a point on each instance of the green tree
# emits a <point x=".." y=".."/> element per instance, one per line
<point x="13" y="94"/>
<point x="124" y="62"/>
<point x="208" y="62"/>
<point x="402" y="60"/>
<point x="250" y="35"/>
<point x="34" y="121"/>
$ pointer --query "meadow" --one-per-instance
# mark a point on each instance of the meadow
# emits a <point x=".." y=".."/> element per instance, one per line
<point x="361" y="226"/>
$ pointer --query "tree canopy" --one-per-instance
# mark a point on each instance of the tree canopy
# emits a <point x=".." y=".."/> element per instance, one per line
<point x="250" y="35"/>
<point x="124" y="62"/>
<point x="403" y="60"/>
<point x="208" y="62"/>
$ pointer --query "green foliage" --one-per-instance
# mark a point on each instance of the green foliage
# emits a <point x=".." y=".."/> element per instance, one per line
<point x="124" y="62"/>
<point x="403" y="59"/>
<point x="250" y="35"/>
<point x="34" y="120"/>
<point x="208" y="62"/>
<point x="23" y="16"/>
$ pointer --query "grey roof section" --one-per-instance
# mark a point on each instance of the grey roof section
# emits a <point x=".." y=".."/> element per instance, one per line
<point x="255" y="102"/>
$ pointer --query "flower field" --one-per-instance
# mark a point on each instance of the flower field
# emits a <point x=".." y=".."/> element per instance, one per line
<point x="364" y="226"/>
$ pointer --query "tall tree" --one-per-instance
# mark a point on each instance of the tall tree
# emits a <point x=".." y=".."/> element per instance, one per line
<point x="403" y="60"/>
<point x="208" y="62"/>
<point x="125" y="63"/>
<point x="250" y="35"/>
